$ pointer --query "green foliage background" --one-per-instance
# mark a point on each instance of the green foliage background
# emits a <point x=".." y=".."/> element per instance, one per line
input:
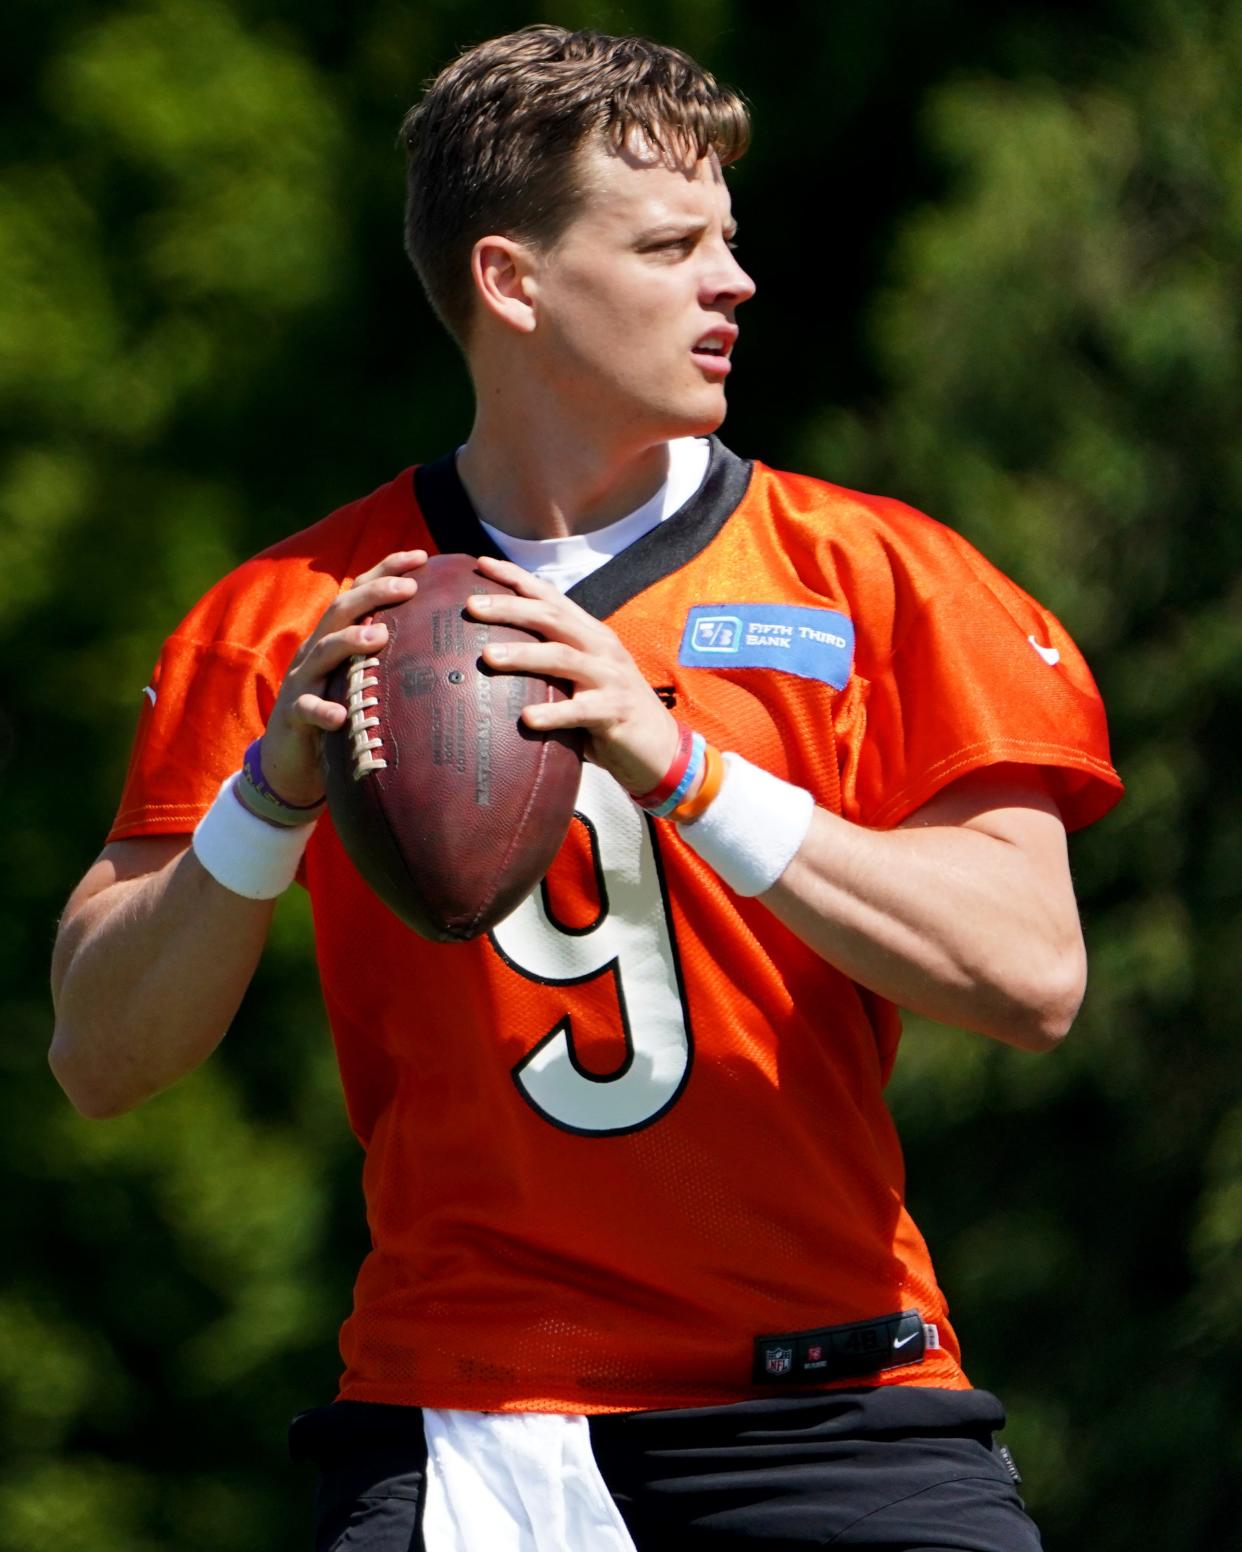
<point x="998" y="249"/>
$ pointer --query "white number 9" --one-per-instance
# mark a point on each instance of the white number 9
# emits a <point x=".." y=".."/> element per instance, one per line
<point x="630" y="940"/>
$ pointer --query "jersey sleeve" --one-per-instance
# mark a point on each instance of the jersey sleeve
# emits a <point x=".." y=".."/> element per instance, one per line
<point x="214" y="686"/>
<point x="979" y="674"/>
<point x="219" y="673"/>
<point x="206" y="701"/>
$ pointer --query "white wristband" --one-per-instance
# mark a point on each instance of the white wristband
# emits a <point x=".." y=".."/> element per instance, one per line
<point x="243" y="852"/>
<point x="752" y="827"/>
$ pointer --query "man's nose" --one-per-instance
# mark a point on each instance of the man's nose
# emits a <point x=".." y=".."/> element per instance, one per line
<point x="729" y="280"/>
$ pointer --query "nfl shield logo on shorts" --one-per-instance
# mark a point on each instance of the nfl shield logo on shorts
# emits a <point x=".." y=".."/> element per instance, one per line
<point x="778" y="1360"/>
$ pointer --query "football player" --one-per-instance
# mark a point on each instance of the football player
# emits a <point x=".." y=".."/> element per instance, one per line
<point x="642" y="1273"/>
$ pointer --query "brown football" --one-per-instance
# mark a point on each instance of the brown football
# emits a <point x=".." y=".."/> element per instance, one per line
<point x="448" y="806"/>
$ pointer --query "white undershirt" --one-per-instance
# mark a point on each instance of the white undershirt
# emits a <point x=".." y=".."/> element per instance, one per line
<point x="564" y="561"/>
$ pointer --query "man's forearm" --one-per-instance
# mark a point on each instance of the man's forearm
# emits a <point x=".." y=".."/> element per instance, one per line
<point x="949" y="921"/>
<point x="148" y="973"/>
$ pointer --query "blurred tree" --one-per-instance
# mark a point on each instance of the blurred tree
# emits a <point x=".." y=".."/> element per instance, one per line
<point x="1007" y="237"/>
<point x="1058" y="341"/>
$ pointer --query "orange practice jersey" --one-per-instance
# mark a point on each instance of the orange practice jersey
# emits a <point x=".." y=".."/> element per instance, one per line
<point x="640" y="1124"/>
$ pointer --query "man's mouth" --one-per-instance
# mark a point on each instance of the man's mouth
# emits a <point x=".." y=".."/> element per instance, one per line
<point x="714" y="346"/>
<point x="716" y="342"/>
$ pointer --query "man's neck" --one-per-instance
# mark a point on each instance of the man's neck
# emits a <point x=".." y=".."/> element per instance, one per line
<point x="545" y="487"/>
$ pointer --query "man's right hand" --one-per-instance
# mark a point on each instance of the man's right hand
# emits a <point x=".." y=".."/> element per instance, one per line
<point x="291" y="744"/>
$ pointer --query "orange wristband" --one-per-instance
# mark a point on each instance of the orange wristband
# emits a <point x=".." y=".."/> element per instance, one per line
<point x="689" y="809"/>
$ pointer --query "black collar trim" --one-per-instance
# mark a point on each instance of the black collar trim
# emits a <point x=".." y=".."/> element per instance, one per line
<point x="455" y="528"/>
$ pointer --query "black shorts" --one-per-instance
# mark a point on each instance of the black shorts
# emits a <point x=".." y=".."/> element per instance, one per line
<point x="895" y="1469"/>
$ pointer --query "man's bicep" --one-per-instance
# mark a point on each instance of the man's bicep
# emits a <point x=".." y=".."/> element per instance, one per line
<point x="103" y="885"/>
<point x="122" y="861"/>
<point x="1014" y="804"/>
<point x="985" y="799"/>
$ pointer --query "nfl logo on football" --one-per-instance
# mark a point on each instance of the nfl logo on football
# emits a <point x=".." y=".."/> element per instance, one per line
<point x="778" y="1360"/>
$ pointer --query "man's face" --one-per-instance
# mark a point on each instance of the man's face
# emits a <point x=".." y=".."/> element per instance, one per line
<point x="636" y="301"/>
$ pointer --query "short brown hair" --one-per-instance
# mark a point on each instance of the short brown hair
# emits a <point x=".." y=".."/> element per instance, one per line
<point x="491" y="146"/>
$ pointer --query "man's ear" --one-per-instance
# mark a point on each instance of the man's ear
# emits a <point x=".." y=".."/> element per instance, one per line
<point x="503" y="272"/>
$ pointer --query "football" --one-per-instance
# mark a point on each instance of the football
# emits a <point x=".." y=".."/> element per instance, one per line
<point x="447" y="805"/>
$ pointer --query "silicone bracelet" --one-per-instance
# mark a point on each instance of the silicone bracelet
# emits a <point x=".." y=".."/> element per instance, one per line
<point x="669" y="781"/>
<point x="252" y="775"/>
<point x="272" y="811"/>
<point x="693" y="766"/>
<point x="246" y="854"/>
<point x="690" y="809"/>
<point x="750" y="833"/>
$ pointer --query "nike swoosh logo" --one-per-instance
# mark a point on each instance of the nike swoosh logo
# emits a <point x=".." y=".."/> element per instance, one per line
<point x="906" y="1340"/>
<point x="1050" y="655"/>
<point x="149" y="691"/>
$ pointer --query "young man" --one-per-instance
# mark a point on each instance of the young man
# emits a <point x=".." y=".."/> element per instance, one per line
<point x="640" y="1264"/>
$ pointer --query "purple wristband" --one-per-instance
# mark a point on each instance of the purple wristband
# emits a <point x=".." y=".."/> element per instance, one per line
<point x="252" y="771"/>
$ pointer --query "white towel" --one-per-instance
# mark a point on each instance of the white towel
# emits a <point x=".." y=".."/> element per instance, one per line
<point x="516" y="1482"/>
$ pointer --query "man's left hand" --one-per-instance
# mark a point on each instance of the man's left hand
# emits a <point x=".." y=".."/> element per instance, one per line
<point x="629" y="731"/>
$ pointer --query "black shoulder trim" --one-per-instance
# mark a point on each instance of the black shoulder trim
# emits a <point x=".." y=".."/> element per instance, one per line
<point x="671" y="544"/>
<point x="455" y="527"/>
<point x="448" y="511"/>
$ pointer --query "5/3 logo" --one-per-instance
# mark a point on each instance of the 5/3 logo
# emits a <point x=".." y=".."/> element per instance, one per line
<point x="631" y="941"/>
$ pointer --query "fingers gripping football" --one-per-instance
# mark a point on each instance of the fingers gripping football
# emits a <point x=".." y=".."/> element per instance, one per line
<point x="630" y="733"/>
<point x="301" y="714"/>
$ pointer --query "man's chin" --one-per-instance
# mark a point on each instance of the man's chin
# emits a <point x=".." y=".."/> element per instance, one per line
<point x="703" y="421"/>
